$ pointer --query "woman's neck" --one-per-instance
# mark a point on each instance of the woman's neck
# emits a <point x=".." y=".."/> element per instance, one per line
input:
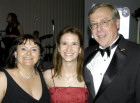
<point x="26" y="70"/>
<point x="69" y="68"/>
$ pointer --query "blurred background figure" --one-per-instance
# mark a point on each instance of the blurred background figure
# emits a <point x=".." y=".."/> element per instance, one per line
<point x="13" y="30"/>
<point x="2" y="48"/>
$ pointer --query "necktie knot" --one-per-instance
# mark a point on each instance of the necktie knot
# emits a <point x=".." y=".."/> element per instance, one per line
<point x="108" y="49"/>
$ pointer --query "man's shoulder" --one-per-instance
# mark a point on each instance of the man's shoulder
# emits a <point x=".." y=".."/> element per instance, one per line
<point x="91" y="48"/>
<point x="129" y="44"/>
<point x="132" y="45"/>
<point x="89" y="51"/>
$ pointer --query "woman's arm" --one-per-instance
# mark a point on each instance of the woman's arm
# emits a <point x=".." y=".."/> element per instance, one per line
<point x="3" y="85"/>
<point x="20" y="29"/>
<point x="48" y="78"/>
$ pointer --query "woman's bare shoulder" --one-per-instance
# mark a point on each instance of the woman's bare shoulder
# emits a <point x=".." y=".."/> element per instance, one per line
<point x="3" y="85"/>
<point x="48" y="73"/>
<point x="2" y="75"/>
<point x="48" y="77"/>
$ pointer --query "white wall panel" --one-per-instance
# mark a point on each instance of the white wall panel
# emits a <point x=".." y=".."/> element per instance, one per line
<point x="38" y="14"/>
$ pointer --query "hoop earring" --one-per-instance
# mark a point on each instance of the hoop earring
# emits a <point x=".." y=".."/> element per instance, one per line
<point x="15" y="62"/>
<point x="37" y="64"/>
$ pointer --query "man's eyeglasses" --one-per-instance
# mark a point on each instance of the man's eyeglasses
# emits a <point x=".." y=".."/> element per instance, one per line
<point x="102" y="23"/>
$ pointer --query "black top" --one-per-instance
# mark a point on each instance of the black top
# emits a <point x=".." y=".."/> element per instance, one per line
<point x="9" y="41"/>
<point x="14" y="31"/>
<point x="15" y="94"/>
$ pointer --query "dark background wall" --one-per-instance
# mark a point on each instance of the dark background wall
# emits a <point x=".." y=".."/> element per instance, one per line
<point x="38" y="15"/>
<point x="131" y="4"/>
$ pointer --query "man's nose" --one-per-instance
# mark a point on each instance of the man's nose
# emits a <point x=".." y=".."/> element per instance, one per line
<point x="99" y="27"/>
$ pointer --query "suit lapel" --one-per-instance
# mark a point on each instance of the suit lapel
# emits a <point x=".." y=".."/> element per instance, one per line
<point x="89" y="82"/>
<point x="116" y="63"/>
<point x="87" y="74"/>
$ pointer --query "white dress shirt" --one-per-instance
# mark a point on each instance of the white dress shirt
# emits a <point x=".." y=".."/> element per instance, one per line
<point x="98" y="66"/>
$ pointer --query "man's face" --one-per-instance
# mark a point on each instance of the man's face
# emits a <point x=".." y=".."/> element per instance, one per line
<point x="107" y="29"/>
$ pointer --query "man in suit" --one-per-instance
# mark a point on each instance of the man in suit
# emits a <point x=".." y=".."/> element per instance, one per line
<point x="112" y="68"/>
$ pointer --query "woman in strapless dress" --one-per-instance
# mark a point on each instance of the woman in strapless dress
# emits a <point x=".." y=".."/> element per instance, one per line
<point x="65" y="80"/>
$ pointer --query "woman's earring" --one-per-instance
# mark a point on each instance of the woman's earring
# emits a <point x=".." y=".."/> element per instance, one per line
<point x="37" y="64"/>
<point x="15" y="61"/>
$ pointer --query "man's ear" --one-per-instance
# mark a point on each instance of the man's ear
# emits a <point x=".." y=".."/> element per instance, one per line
<point x="118" y="23"/>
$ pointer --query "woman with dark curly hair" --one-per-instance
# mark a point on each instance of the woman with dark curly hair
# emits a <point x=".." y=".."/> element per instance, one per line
<point x="22" y="81"/>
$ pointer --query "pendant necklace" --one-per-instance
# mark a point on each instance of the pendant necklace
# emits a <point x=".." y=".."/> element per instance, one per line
<point x="27" y="77"/>
<point x="68" y="79"/>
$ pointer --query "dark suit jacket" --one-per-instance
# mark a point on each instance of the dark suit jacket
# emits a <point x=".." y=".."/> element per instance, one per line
<point x="121" y="82"/>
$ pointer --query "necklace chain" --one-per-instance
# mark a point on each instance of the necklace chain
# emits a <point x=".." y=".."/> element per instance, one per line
<point x="68" y="79"/>
<point x="27" y="77"/>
